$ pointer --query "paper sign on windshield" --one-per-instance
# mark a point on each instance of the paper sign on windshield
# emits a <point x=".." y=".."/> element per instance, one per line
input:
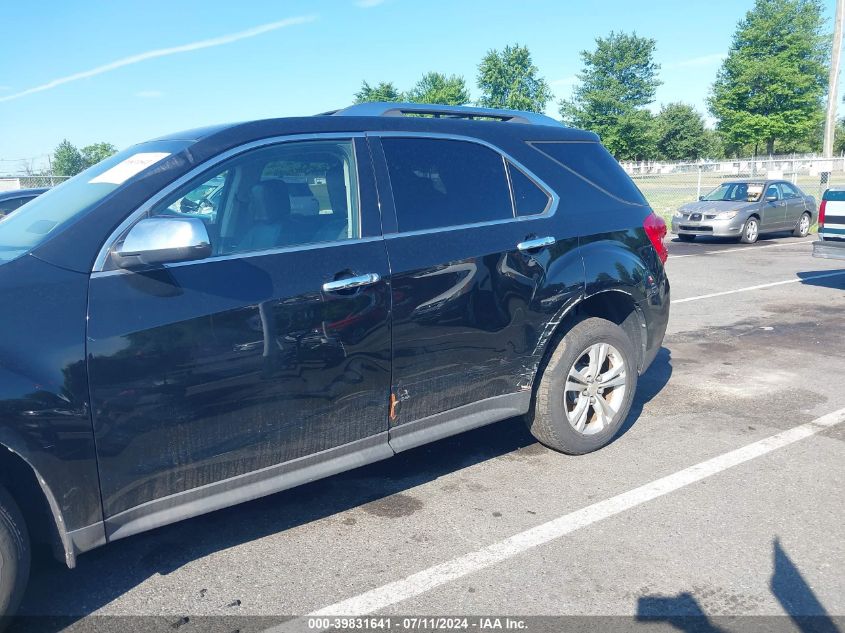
<point x="125" y="169"/>
<point x="755" y="191"/>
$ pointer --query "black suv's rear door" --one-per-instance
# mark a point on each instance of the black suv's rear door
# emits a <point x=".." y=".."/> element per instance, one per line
<point x="467" y="300"/>
<point x="223" y="379"/>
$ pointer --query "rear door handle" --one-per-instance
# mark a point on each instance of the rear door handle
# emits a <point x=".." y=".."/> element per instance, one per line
<point x="539" y="242"/>
<point x="351" y="282"/>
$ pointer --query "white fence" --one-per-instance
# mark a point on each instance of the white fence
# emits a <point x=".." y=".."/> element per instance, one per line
<point x="668" y="185"/>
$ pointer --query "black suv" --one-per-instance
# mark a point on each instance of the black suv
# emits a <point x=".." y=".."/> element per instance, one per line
<point x="161" y="359"/>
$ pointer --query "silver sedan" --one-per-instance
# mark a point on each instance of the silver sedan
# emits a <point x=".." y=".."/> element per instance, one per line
<point x="746" y="209"/>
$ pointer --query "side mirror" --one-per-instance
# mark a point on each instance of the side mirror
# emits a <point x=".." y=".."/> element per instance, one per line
<point x="701" y="198"/>
<point x="163" y="240"/>
<point x="771" y="198"/>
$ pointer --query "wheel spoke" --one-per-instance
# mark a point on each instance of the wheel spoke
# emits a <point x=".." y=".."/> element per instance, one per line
<point x="603" y="348"/>
<point x="591" y="368"/>
<point x="577" y="375"/>
<point x="576" y="387"/>
<point x="604" y="409"/>
<point x="611" y="374"/>
<point x="615" y="381"/>
<point x="578" y="417"/>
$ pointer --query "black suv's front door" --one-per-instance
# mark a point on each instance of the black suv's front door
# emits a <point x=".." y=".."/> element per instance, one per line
<point x="468" y="275"/>
<point x="220" y="380"/>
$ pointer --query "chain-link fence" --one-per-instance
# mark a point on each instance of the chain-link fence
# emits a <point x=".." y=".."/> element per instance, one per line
<point x="8" y="183"/>
<point x="669" y="185"/>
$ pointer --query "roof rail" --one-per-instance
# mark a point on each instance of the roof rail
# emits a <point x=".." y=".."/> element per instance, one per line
<point x="385" y="108"/>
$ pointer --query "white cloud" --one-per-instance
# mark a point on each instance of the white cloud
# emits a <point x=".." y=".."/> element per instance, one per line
<point x="369" y="4"/>
<point x="564" y="81"/>
<point x="163" y="52"/>
<point x="149" y="94"/>
<point x="696" y="62"/>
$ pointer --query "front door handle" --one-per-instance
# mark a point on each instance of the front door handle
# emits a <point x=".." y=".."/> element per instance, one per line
<point x="349" y="283"/>
<point x="539" y="242"/>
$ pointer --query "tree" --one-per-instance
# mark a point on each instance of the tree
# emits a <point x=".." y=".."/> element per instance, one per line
<point x="617" y="82"/>
<point x="772" y="84"/>
<point x="384" y="91"/>
<point x="93" y="154"/>
<point x="510" y="80"/>
<point x="438" y="88"/>
<point x="680" y="133"/>
<point x="67" y="160"/>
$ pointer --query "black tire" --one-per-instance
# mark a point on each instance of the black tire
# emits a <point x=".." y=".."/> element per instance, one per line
<point x="686" y="237"/>
<point x="548" y="420"/>
<point x="14" y="556"/>
<point x="803" y="231"/>
<point x="750" y="236"/>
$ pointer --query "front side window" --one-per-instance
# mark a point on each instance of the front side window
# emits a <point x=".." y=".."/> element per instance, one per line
<point x="441" y="183"/>
<point x="772" y="192"/>
<point x="291" y="194"/>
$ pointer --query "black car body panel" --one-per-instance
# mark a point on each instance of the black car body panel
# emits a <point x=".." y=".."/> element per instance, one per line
<point x="183" y="388"/>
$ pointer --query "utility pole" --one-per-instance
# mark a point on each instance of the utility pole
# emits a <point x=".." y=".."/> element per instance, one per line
<point x="833" y="81"/>
<point x="833" y="87"/>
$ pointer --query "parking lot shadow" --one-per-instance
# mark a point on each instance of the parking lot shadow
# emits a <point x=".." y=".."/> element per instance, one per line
<point x="803" y="608"/>
<point x="824" y="278"/>
<point x="650" y="384"/>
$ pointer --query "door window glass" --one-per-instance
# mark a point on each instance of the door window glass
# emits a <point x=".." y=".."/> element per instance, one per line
<point x="285" y="195"/>
<point x="440" y="183"/>
<point x="593" y="163"/>
<point x="528" y="197"/>
<point x="788" y="191"/>
<point x="772" y="192"/>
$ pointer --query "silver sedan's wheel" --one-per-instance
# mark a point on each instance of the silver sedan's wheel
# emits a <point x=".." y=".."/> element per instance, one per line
<point x="803" y="228"/>
<point x="595" y="388"/>
<point x="751" y="231"/>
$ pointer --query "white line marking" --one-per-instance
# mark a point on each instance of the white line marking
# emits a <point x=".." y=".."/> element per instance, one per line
<point x="761" y="286"/>
<point x="741" y="250"/>
<point x="443" y="573"/>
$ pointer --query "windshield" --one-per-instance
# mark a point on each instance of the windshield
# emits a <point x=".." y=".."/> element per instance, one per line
<point x="736" y="192"/>
<point x="39" y="219"/>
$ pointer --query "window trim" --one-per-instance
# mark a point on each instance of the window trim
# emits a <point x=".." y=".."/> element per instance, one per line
<point x="146" y="206"/>
<point x="533" y="145"/>
<point x="550" y="210"/>
<point x="508" y="166"/>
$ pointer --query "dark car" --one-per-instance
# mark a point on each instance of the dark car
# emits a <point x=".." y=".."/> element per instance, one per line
<point x="745" y="210"/>
<point x="464" y="268"/>
<point x="12" y="200"/>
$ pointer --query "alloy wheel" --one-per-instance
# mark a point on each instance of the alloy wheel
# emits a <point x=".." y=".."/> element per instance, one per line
<point x="804" y="225"/>
<point x="751" y="231"/>
<point x="595" y="388"/>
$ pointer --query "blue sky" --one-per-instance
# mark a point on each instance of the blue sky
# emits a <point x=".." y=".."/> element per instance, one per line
<point x="95" y="70"/>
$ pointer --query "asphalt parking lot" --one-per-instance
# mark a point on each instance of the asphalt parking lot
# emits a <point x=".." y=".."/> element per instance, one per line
<point x="754" y="349"/>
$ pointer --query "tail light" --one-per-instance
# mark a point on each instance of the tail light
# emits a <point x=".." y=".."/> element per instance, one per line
<point x="821" y="211"/>
<point x="655" y="228"/>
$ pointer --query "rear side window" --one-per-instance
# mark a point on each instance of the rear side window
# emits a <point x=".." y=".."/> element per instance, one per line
<point x="834" y="195"/>
<point x="528" y="197"/>
<point x="788" y="191"/>
<point x="440" y="183"/>
<point x="7" y="206"/>
<point x="593" y="163"/>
